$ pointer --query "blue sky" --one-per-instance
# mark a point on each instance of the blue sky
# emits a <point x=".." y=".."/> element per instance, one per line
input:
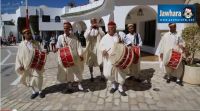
<point x="10" y="6"/>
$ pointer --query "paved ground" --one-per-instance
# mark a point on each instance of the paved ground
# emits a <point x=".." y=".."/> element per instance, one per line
<point x="156" y="95"/>
<point x="8" y="55"/>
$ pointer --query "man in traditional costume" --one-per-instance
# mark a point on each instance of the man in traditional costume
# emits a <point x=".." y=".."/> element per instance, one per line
<point x="112" y="73"/>
<point x="133" y="39"/>
<point x="68" y="75"/>
<point x="29" y="77"/>
<point x="171" y="40"/>
<point x="93" y="35"/>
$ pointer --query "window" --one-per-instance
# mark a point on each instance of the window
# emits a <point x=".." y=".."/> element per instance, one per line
<point x="57" y="19"/>
<point x="45" y="18"/>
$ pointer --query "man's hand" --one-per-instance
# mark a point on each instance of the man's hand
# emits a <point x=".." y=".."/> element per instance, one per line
<point x="182" y="48"/>
<point x="65" y="44"/>
<point x="95" y="26"/>
<point x="21" y="68"/>
<point x="161" y="56"/>
<point x="105" y="53"/>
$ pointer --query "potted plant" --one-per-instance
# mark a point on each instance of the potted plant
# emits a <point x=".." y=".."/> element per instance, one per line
<point x="191" y="36"/>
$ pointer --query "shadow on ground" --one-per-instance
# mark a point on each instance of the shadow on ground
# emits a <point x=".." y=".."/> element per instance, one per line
<point x="88" y="85"/>
<point x="98" y="84"/>
<point x="145" y="84"/>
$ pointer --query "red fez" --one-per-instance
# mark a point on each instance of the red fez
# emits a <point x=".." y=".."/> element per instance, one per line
<point x="25" y="30"/>
<point x="111" y="23"/>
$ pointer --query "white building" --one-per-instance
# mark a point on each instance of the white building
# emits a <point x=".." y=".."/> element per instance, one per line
<point x="142" y="13"/>
<point x="46" y="26"/>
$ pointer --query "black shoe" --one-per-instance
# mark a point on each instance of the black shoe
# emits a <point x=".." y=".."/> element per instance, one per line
<point x="131" y="78"/>
<point x="66" y="91"/>
<point x="138" y="80"/>
<point x="33" y="96"/>
<point x="123" y="93"/>
<point x="168" y="80"/>
<point x="42" y="95"/>
<point x="92" y="79"/>
<point x="179" y="83"/>
<point x="113" y="90"/>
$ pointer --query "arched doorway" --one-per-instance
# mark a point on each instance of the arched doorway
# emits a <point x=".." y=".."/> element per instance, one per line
<point x="102" y="24"/>
<point x="144" y="20"/>
<point x="79" y="26"/>
<point x="79" y="30"/>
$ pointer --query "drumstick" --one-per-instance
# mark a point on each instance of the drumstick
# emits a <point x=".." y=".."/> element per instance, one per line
<point x="108" y="50"/>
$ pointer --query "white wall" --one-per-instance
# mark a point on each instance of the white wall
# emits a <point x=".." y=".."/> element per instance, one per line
<point x="50" y="26"/>
<point x="120" y="13"/>
<point x="52" y="12"/>
<point x="65" y="9"/>
<point x="106" y="19"/>
<point x="8" y="17"/>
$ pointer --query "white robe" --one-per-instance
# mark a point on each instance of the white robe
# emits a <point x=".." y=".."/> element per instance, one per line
<point x="93" y="37"/>
<point x="28" y="77"/>
<point x="170" y="41"/>
<point x="129" y="38"/>
<point x="72" y="73"/>
<point x="111" y="72"/>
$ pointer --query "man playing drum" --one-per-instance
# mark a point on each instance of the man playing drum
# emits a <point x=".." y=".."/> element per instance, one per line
<point x="134" y="40"/>
<point x="29" y="77"/>
<point x="93" y="36"/>
<point x="68" y="74"/>
<point x="171" y="40"/>
<point x="112" y="73"/>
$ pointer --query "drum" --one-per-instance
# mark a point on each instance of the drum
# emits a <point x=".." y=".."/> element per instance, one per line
<point x="38" y="60"/>
<point x="41" y="61"/>
<point x="121" y="56"/>
<point x="66" y="56"/>
<point x="173" y="59"/>
<point x="35" y="58"/>
<point x="136" y="50"/>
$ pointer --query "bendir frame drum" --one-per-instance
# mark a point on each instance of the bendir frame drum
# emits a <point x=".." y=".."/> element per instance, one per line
<point x="121" y="56"/>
